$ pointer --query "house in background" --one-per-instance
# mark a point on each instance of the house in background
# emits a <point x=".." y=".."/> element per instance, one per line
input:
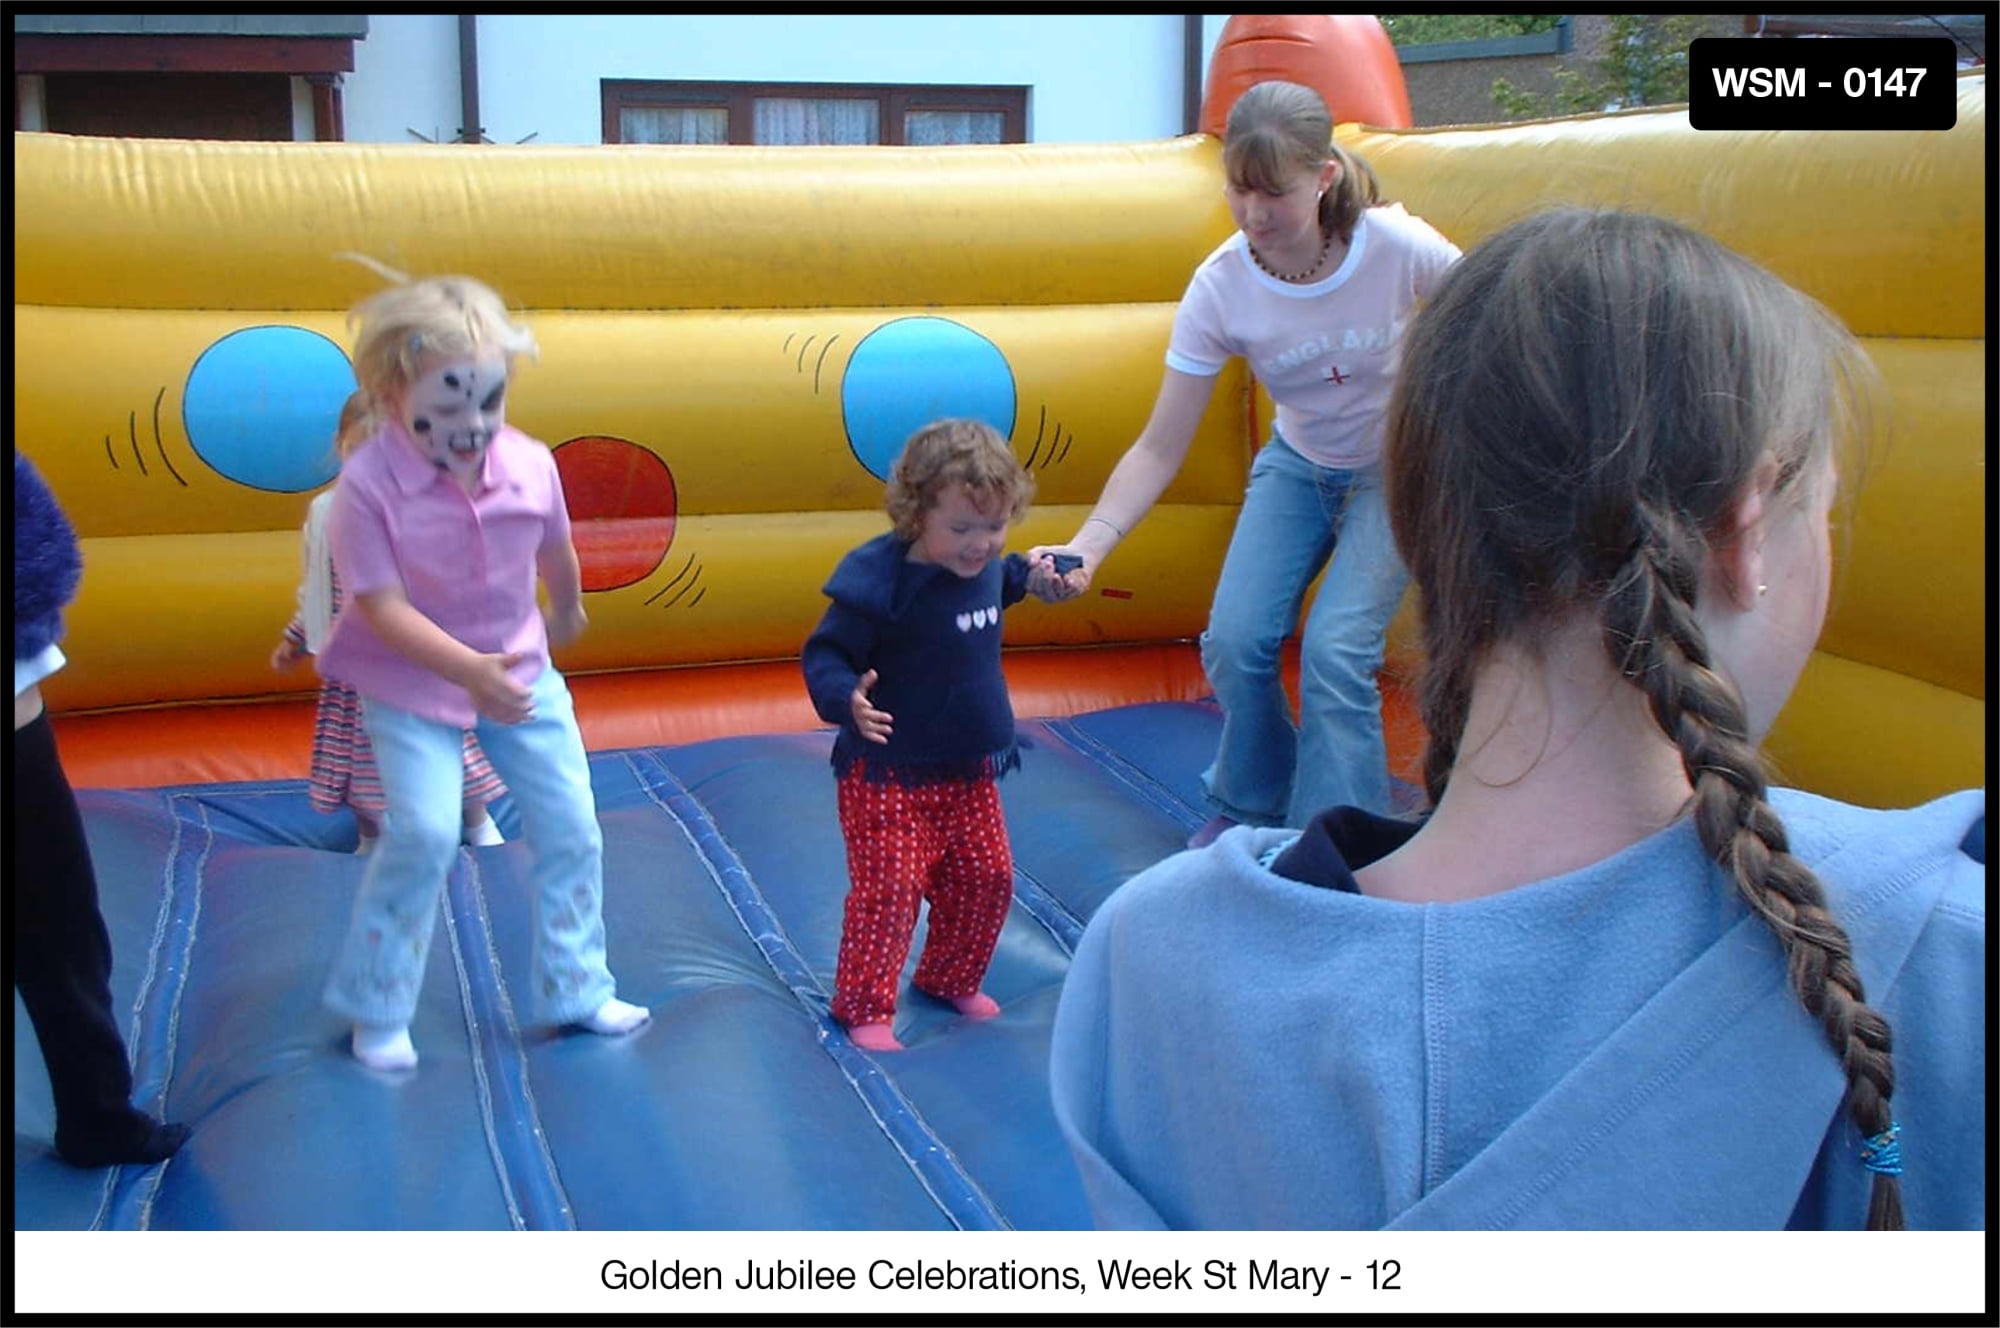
<point x="272" y="77"/>
<point x="607" y="78"/>
<point x="728" y="78"/>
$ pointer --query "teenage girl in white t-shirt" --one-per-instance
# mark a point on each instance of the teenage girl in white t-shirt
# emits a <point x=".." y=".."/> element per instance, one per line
<point x="1314" y="290"/>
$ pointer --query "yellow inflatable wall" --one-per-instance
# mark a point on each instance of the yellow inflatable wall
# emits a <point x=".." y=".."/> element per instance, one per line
<point x="1889" y="230"/>
<point x="733" y="340"/>
<point x="745" y="330"/>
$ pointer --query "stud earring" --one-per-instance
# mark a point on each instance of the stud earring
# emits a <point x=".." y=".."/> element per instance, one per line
<point x="1761" y="588"/>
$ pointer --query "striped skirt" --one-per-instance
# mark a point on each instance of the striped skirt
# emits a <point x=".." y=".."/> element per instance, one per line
<point x="343" y="764"/>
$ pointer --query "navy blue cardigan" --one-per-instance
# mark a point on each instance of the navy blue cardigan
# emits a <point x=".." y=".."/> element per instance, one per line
<point x="933" y="638"/>
<point x="47" y="562"/>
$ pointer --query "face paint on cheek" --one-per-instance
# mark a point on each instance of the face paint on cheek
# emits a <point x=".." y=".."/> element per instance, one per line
<point x="453" y="412"/>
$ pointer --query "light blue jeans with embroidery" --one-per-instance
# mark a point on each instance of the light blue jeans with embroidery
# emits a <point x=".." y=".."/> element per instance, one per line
<point x="1299" y="517"/>
<point x="381" y="964"/>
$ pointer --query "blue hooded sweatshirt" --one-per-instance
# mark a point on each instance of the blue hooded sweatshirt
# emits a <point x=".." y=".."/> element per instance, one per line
<point x="1615" y="1048"/>
<point x="933" y="638"/>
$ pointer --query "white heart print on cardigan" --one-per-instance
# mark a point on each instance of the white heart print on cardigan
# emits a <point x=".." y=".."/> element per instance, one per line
<point x="979" y="618"/>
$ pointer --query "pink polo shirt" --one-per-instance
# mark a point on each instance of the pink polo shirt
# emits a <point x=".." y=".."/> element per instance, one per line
<point x="465" y="561"/>
<point x="1327" y="352"/>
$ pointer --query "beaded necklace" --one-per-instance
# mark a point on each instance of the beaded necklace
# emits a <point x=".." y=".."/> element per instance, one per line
<point x="1325" y="246"/>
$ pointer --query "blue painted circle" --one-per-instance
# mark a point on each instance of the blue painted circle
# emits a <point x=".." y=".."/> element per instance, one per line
<point x="261" y="406"/>
<point x="910" y="372"/>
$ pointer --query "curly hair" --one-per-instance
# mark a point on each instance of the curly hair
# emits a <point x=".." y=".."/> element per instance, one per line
<point x="949" y="452"/>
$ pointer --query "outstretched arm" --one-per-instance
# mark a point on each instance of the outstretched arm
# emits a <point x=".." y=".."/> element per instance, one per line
<point x="1138" y="480"/>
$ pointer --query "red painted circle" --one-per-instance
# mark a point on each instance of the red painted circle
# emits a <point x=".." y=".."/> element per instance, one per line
<point x="622" y="508"/>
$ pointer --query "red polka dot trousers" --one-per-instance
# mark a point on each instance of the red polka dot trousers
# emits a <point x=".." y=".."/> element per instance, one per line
<point x="941" y="843"/>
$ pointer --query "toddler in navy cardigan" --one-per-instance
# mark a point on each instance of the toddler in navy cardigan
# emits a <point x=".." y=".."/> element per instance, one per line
<point x="907" y="661"/>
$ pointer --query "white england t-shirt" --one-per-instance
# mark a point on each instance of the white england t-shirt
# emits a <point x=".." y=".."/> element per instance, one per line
<point x="1326" y="352"/>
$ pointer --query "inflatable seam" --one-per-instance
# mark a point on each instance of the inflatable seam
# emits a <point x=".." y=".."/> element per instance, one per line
<point x="1041" y="904"/>
<point x="930" y="1160"/>
<point x="1113" y="763"/>
<point x="157" y="1039"/>
<point x="474" y="1028"/>
<point x="552" y="1172"/>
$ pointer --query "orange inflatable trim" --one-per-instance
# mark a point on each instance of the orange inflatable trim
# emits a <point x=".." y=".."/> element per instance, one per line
<point x="1347" y="58"/>
<point x="156" y="747"/>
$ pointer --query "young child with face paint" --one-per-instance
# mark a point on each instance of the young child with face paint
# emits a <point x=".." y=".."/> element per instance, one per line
<point x="907" y="661"/>
<point x="442" y="521"/>
<point x="343" y="764"/>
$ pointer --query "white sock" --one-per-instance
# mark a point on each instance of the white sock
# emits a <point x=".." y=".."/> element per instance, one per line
<point x="616" y="1016"/>
<point x="483" y="834"/>
<point x="384" y="1048"/>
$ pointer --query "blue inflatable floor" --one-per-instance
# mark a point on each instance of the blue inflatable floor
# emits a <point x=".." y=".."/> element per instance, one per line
<point x="741" y="1106"/>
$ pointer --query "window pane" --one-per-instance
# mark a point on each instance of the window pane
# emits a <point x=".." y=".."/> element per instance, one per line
<point x="673" y="124"/>
<point x="930" y="128"/>
<point x="795" y="120"/>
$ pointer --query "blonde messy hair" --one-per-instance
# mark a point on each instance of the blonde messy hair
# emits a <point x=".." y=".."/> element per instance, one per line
<point x="452" y="316"/>
<point x="950" y="452"/>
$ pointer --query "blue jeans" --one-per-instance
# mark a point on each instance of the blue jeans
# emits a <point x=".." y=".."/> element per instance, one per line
<point x="381" y="964"/>
<point x="1296" y="516"/>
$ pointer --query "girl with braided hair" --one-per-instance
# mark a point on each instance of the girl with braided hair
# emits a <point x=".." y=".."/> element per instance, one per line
<point x="1613" y="980"/>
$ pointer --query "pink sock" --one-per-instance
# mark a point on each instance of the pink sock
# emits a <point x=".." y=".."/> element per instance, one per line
<point x="976" y="1006"/>
<point x="874" y="1037"/>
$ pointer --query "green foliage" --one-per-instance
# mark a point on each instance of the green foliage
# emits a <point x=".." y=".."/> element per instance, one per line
<point x="1422" y="29"/>
<point x="1644" y="63"/>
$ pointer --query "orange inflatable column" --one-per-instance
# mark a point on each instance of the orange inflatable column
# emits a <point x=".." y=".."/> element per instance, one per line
<point x="1346" y="58"/>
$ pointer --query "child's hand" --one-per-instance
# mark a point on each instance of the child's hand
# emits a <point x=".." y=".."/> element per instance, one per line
<point x="287" y="656"/>
<point x="567" y="625"/>
<point x="494" y="692"/>
<point x="873" y="724"/>
<point x="1046" y="584"/>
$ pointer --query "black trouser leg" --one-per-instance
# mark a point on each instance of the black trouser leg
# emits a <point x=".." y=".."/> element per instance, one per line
<point x="62" y="957"/>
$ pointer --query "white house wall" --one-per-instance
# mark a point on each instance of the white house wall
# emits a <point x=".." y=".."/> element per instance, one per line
<point x="405" y="81"/>
<point x="1093" y="78"/>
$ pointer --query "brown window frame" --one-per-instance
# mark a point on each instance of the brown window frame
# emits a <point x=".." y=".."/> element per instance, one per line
<point x="895" y="99"/>
<point x="321" y="61"/>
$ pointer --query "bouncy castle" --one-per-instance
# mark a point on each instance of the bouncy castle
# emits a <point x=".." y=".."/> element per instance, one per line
<point x="734" y="342"/>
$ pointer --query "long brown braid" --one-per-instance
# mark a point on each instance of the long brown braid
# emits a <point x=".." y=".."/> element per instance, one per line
<point x="1579" y="408"/>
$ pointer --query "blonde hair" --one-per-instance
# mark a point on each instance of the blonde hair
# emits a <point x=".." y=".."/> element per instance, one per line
<point x="358" y="423"/>
<point x="1277" y="131"/>
<point x="950" y="452"/>
<point x="451" y="316"/>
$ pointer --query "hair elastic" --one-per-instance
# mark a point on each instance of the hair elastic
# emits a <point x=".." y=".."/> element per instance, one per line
<point x="1881" y="1153"/>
